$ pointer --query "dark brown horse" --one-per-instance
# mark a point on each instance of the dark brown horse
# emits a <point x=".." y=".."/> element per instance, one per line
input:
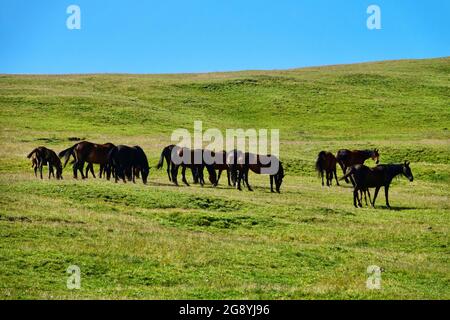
<point x="194" y="160"/>
<point x="42" y="156"/>
<point x="89" y="152"/>
<point x="128" y="162"/>
<point x="377" y="177"/>
<point x="347" y="158"/>
<point x="326" y="162"/>
<point x="241" y="163"/>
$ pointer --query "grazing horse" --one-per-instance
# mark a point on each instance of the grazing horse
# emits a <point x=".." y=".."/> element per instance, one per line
<point x="194" y="160"/>
<point x="259" y="164"/>
<point x="42" y="156"/>
<point x="87" y="152"/>
<point x="326" y="161"/>
<point x="377" y="177"/>
<point x="220" y="164"/>
<point x="166" y="154"/>
<point x="127" y="162"/>
<point x="347" y="158"/>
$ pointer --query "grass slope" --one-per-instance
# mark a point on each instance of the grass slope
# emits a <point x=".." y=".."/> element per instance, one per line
<point x="160" y="241"/>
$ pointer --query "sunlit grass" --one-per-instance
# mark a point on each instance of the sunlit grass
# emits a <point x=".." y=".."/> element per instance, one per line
<point x="161" y="241"/>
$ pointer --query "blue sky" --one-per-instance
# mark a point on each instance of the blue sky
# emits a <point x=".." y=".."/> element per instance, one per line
<point x="214" y="35"/>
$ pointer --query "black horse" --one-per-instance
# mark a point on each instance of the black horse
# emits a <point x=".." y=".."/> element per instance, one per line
<point x="377" y="177"/>
<point x="166" y="154"/>
<point x="194" y="160"/>
<point x="128" y="162"/>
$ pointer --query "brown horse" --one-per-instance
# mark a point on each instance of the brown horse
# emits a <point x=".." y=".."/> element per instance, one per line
<point x="377" y="177"/>
<point x="42" y="156"/>
<point x="326" y="161"/>
<point x="347" y="158"/>
<point x="240" y="163"/>
<point x="87" y="152"/>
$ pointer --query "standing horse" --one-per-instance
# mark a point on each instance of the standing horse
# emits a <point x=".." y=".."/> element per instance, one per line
<point x="377" y="177"/>
<point x="193" y="159"/>
<point x="86" y="152"/>
<point x="127" y="162"/>
<point x="259" y="164"/>
<point x="42" y="156"/>
<point x="347" y="158"/>
<point x="326" y="161"/>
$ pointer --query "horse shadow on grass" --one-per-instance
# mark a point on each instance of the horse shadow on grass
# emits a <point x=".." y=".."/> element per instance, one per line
<point x="396" y="208"/>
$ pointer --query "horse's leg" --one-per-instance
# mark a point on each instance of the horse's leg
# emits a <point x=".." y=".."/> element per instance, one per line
<point x="75" y="169"/>
<point x="246" y="179"/>
<point x="41" y="165"/>
<point x="50" y="169"/>
<point x="239" y="178"/>
<point x="271" y="183"/>
<point x="335" y="176"/>
<point x="201" y="178"/>
<point x="168" y="170"/>
<point x="35" y="170"/>
<point x="368" y="192"/>
<point x="386" y="193"/>
<point x="355" y="196"/>
<point x="81" y="168"/>
<point x="321" y="175"/>
<point x="183" y="175"/>
<point x="91" y="168"/>
<point x="116" y="175"/>
<point x="195" y="174"/>
<point x="344" y="168"/>
<point x="375" y="196"/>
<point x="218" y="177"/>
<point x="228" y="177"/>
<point x="174" y="171"/>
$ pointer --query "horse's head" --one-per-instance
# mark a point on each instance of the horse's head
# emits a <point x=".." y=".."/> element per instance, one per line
<point x="59" y="169"/>
<point x="375" y="156"/>
<point x="145" y="172"/>
<point x="407" y="171"/>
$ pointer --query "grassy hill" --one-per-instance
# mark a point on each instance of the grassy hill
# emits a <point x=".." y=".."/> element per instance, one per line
<point x="160" y="241"/>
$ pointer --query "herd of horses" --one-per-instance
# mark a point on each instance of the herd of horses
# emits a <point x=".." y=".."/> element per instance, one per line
<point x="127" y="163"/>
<point x="362" y="177"/>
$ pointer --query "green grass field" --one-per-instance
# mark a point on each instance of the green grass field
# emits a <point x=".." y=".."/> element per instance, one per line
<point x="164" y="242"/>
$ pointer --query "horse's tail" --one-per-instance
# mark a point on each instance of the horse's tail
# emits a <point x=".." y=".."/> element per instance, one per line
<point x="350" y="172"/>
<point x="319" y="162"/>
<point x="31" y="153"/>
<point x="67" y="153"/>
<point x="161" y="159"/>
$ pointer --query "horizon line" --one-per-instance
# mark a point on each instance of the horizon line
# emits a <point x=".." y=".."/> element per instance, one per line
<point x="224" y="71"/>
